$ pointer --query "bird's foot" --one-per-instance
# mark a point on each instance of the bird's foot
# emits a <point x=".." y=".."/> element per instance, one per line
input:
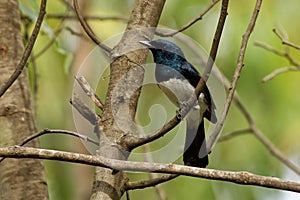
<point x="182" y="105"/>
<point x="178" y="114"/>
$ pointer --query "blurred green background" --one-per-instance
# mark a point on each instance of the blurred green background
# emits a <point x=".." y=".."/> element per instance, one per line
<point x="274" y="105"/>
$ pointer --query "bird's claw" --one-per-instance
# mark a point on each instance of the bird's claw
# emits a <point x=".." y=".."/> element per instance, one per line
<point x="178" y="114"/>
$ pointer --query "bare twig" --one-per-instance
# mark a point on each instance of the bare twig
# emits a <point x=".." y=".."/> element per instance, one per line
<point x="236" y="76"/>
<point x="285" y="41"/>
<point x="286" y="54"/>
<point x="243" y="178"/>
<point x="28" y="49"/>
<point x="56" y="131"/>
<point x="229" y="136"/>
<point x="87" y="113"/>
<point x="50" y="43"/>
<point x="79" y="34"/>
<point x="84" y="110"/>
<point x="280" y="71"/>
<point x="85" y="17"/>
<point x="89" y="31"/>
<point x="199" y="17"/>
<point x="150" y="183"/>
<point x="59" y="131"/>
<point x="89" y="91"/>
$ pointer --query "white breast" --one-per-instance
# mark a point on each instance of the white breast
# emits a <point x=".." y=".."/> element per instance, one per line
<point x="180" y="90"/>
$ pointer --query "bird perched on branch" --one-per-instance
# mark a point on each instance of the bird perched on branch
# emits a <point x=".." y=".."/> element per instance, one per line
<point x="177" y="78"/>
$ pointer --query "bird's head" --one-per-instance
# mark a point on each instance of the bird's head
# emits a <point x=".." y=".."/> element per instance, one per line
<point x="164" y="51"/>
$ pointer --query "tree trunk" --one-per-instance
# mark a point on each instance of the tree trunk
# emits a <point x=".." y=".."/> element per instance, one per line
<point x="22" y="178"/>
<point x="122" y="97"/>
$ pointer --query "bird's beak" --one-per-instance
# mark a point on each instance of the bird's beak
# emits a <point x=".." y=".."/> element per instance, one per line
<point x="147" y="44"/>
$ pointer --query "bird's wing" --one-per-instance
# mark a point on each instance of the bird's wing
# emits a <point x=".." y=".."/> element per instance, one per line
<point x="193" y="76"/>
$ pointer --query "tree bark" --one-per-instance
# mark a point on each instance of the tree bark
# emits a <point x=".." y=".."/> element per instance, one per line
<point x="19" y="179"/>
<point x="126" y="77"/>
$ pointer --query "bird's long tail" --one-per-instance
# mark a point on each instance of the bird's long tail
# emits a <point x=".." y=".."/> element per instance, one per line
<point x="195" y="152"/>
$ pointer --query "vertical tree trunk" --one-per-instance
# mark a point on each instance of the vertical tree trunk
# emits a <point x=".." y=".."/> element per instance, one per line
<point x="22" y="178"/>
<point x="122" y="97"/>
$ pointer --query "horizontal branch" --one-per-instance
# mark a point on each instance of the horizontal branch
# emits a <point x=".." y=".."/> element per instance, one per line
<point x="244" y="178"/>
<point x="85" y="17"/>
<point x="229" y="136"/>
<point x="149" y="183"/>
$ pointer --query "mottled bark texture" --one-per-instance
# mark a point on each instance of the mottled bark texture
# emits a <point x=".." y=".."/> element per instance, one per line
<point x="126" y="77"/>
<point x="19" y="179"/>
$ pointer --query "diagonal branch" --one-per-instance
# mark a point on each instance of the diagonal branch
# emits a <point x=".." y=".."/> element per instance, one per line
<point x="242" y="178"/>
<point x="183" y="28"/>
<point x="28" y="49"/>
<point x="89" y="91"/>
<point x="88" y="29"/>
<point x="236" y="76"/>
<point x="285" y="41"/>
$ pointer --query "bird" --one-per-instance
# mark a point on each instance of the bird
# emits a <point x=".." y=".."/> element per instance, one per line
<point x="177" y="78"/>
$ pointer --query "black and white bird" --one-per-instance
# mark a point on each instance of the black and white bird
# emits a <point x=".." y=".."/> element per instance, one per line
<point x="177" y="78"/>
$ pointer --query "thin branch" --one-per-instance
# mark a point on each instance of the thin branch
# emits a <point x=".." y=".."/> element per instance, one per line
<point x="85" y="17"/>
<point x="59" y="131"/>
<point x="49" y="44"/>
<point x="236" y="76"/>
<point x="89" y="31"/>
<point x="87" y="113"/>
<point x="285" y="41"/>
<point x="28" y="49"/>
<point x="56" y="131"/>
<point x="273" y="149"/>
<point x="89" y="91"/>
<point x="280" y="71"/>
<point x="84" y="110"/>
<point x="79" y="34"/>
<point x="278" y="52"/>
<point x="233" y="134"/>
<point x="286" y="54"/>
<point x="243" y="178"/>
<point x="199" y="17"/>
<point x="149" y="183"/>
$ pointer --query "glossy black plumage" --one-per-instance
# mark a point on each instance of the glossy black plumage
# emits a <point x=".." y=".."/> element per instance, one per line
<point x="178" y="78"/>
